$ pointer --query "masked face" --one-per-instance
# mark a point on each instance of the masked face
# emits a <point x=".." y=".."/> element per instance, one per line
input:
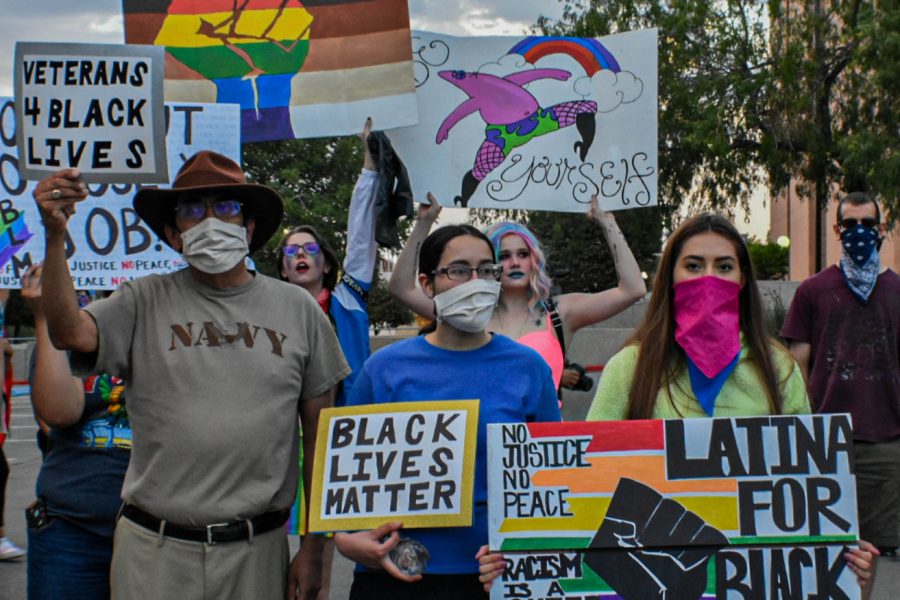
<point x="464" y="286"/>
<point x="213" y="246"/>
<point x="469" y="306"/>
<point x="707" y="321"/>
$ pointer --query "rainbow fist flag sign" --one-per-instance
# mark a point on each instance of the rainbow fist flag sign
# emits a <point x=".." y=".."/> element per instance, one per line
<point x="681" y="508"/>
<point x="307" y="68"/>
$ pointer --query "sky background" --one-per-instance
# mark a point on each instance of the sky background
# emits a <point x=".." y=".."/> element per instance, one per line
<point x="101" y="21"/>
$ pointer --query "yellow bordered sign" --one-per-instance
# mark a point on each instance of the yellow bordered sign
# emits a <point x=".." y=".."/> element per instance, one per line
<point x="404" y="461"/>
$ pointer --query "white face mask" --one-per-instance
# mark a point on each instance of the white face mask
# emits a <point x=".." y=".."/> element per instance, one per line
<point x="469" y="306"/>
<point x="214" y="246"/>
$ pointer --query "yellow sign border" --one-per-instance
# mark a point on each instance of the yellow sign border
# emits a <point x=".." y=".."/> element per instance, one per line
<point x="463" y="518"/>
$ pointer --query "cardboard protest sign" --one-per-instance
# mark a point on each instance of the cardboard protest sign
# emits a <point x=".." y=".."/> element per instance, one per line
<point x="298" y="69"/>
<point x="94" y="107"/>
<point x="534" y="122"/>
<point x="685" y="508"/>
<point x="409" y="461"/>
<point x="107" y="241"/>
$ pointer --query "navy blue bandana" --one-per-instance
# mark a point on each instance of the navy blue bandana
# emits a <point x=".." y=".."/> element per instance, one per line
<point x="859" y="261"/>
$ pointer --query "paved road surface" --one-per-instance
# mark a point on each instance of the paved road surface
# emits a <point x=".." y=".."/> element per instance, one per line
<point x="24" y="459"/>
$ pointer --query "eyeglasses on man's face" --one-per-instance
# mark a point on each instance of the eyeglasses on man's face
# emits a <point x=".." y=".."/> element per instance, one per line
<point x="311" y="249"/>
<point x="850" y="223"/>
<point x="195" y="210"/>
<point x="464" y="273"/>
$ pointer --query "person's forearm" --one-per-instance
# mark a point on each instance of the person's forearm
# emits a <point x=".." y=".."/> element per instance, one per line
<point x="57" y="395"/>
<point x="402" y="284"/>
<point x="60" y="304"/>
<point x="627" y="269"/>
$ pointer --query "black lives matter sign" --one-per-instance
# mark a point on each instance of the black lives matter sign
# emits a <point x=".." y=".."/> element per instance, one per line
<point x="94" y="107"/>
<point x="413" y="461"/>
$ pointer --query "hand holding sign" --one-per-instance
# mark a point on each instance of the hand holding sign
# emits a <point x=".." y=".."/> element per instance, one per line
<point x="678" y="543"/>
<point x="56" y="196"/>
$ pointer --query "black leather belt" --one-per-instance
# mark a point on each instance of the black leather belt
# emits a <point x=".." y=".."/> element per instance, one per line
<point x="215" y="533"/>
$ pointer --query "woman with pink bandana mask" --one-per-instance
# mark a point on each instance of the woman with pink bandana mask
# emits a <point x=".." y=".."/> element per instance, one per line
<point x="702" y="350"/>
<point x="703" y="347"/>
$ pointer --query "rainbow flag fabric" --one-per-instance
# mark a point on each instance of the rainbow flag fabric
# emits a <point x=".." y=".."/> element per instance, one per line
<point x="297" y="68"/>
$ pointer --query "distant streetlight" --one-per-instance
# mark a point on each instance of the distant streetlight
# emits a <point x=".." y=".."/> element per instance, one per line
<point x="783" y="241"/>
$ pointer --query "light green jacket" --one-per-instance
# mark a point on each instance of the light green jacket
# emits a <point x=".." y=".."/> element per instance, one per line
<point x="743" y="394"/>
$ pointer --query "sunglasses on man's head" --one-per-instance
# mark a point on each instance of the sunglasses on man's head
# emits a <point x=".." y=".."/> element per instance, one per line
<point x="311" y="249"/>
<point x="850" y="222"/>
<point x="194" y="210"/>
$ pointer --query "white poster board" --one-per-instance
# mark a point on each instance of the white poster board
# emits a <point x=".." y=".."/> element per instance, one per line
<point x="534" y="122"/>
<point x="94" y="107"/>
<point x="108" y="243"/>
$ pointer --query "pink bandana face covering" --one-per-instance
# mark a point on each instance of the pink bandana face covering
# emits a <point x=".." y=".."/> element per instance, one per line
<point x="707" y="322"/>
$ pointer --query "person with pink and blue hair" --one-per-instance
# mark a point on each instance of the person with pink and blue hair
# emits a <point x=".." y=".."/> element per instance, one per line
<point x="525" y="311"/>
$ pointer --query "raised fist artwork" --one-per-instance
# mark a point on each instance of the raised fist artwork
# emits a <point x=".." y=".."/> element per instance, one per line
<point x="671" y="546"/>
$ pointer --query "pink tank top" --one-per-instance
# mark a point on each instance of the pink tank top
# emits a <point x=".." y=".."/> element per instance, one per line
<point x="546" y="344"/>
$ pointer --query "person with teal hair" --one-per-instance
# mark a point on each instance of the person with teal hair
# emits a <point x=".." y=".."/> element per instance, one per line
<point x="525" y="311"/>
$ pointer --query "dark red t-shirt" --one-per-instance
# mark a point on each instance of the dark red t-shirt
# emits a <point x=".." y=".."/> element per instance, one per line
<point x="854" y="365"/>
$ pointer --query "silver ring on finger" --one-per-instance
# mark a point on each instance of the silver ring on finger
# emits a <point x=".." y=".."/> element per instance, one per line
<point x="55" y="194"/>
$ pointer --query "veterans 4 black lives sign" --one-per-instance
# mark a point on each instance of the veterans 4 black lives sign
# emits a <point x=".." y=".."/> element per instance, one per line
<point x="405" y="461"/>
<point x="107" y="243"/>
<point x="748" y="508"/>
<point x="94" y="107"/>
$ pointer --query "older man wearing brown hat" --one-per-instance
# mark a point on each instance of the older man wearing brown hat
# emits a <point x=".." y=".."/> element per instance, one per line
<point x="218" y="362"/>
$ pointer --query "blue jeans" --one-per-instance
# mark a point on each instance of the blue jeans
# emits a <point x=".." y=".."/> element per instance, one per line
<point x="66" y="561"/>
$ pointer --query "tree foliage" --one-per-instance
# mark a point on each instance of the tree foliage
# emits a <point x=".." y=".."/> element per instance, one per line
<point x="769" y="259"/>
<point x="315" y="178"/>
<point x="384" y="311"/>
<point x="781" y="89"/>
<point x="578" y="257"/>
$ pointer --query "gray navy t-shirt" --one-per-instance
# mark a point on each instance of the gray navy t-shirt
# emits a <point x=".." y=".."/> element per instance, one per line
<point x="215" y="379"/>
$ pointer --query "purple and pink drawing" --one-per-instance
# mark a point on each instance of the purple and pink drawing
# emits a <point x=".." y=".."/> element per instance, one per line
<point x="512" y="115"/>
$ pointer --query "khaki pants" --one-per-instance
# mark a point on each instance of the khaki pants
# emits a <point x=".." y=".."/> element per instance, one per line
<point x="145" y="567"/>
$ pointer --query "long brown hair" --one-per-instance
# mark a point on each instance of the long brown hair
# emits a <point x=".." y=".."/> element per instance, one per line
<point x="660" y="358"/>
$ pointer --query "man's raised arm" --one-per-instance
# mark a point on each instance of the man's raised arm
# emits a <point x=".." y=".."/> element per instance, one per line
<point x="70" y="328"/>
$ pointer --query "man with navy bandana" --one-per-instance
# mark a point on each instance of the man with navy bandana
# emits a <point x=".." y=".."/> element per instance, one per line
<point x="844" y="331"/>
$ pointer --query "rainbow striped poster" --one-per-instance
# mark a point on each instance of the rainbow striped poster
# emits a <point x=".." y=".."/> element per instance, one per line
<point x="691" y="508"/>
<point x="297" y="68"/>
<point x="534" y="122"/>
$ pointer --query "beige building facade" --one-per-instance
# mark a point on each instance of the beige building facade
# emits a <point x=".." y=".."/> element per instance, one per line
<point x="793" y="215"/>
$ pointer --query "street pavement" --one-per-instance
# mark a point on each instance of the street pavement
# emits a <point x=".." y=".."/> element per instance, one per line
<point x="24" y="459"/>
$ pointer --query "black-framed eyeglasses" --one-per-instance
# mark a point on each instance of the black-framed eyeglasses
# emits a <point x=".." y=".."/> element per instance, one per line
<point x="195" y="210"/>
<point x="311" y="249"/>
<point x="464" y="273"/>
<point x="850" y="223"/>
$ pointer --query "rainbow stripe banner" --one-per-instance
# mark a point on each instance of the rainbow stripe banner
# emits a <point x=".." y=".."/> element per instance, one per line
<point x="687" y="508"/>
<point x="307" y="68"/>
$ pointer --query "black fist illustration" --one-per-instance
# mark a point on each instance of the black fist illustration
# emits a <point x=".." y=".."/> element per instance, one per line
<point x="668" y="545"/>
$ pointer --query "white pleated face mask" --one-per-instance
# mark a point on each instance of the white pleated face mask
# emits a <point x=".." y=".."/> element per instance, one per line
<point x="214" y="246"/>
<point x="469" y="306"/>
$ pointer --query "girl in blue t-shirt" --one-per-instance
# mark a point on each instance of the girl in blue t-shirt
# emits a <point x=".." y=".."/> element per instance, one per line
<point x="457" y="358"/>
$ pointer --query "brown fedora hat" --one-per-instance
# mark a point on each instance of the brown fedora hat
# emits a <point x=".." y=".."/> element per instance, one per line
<point x="208" y="171"/>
